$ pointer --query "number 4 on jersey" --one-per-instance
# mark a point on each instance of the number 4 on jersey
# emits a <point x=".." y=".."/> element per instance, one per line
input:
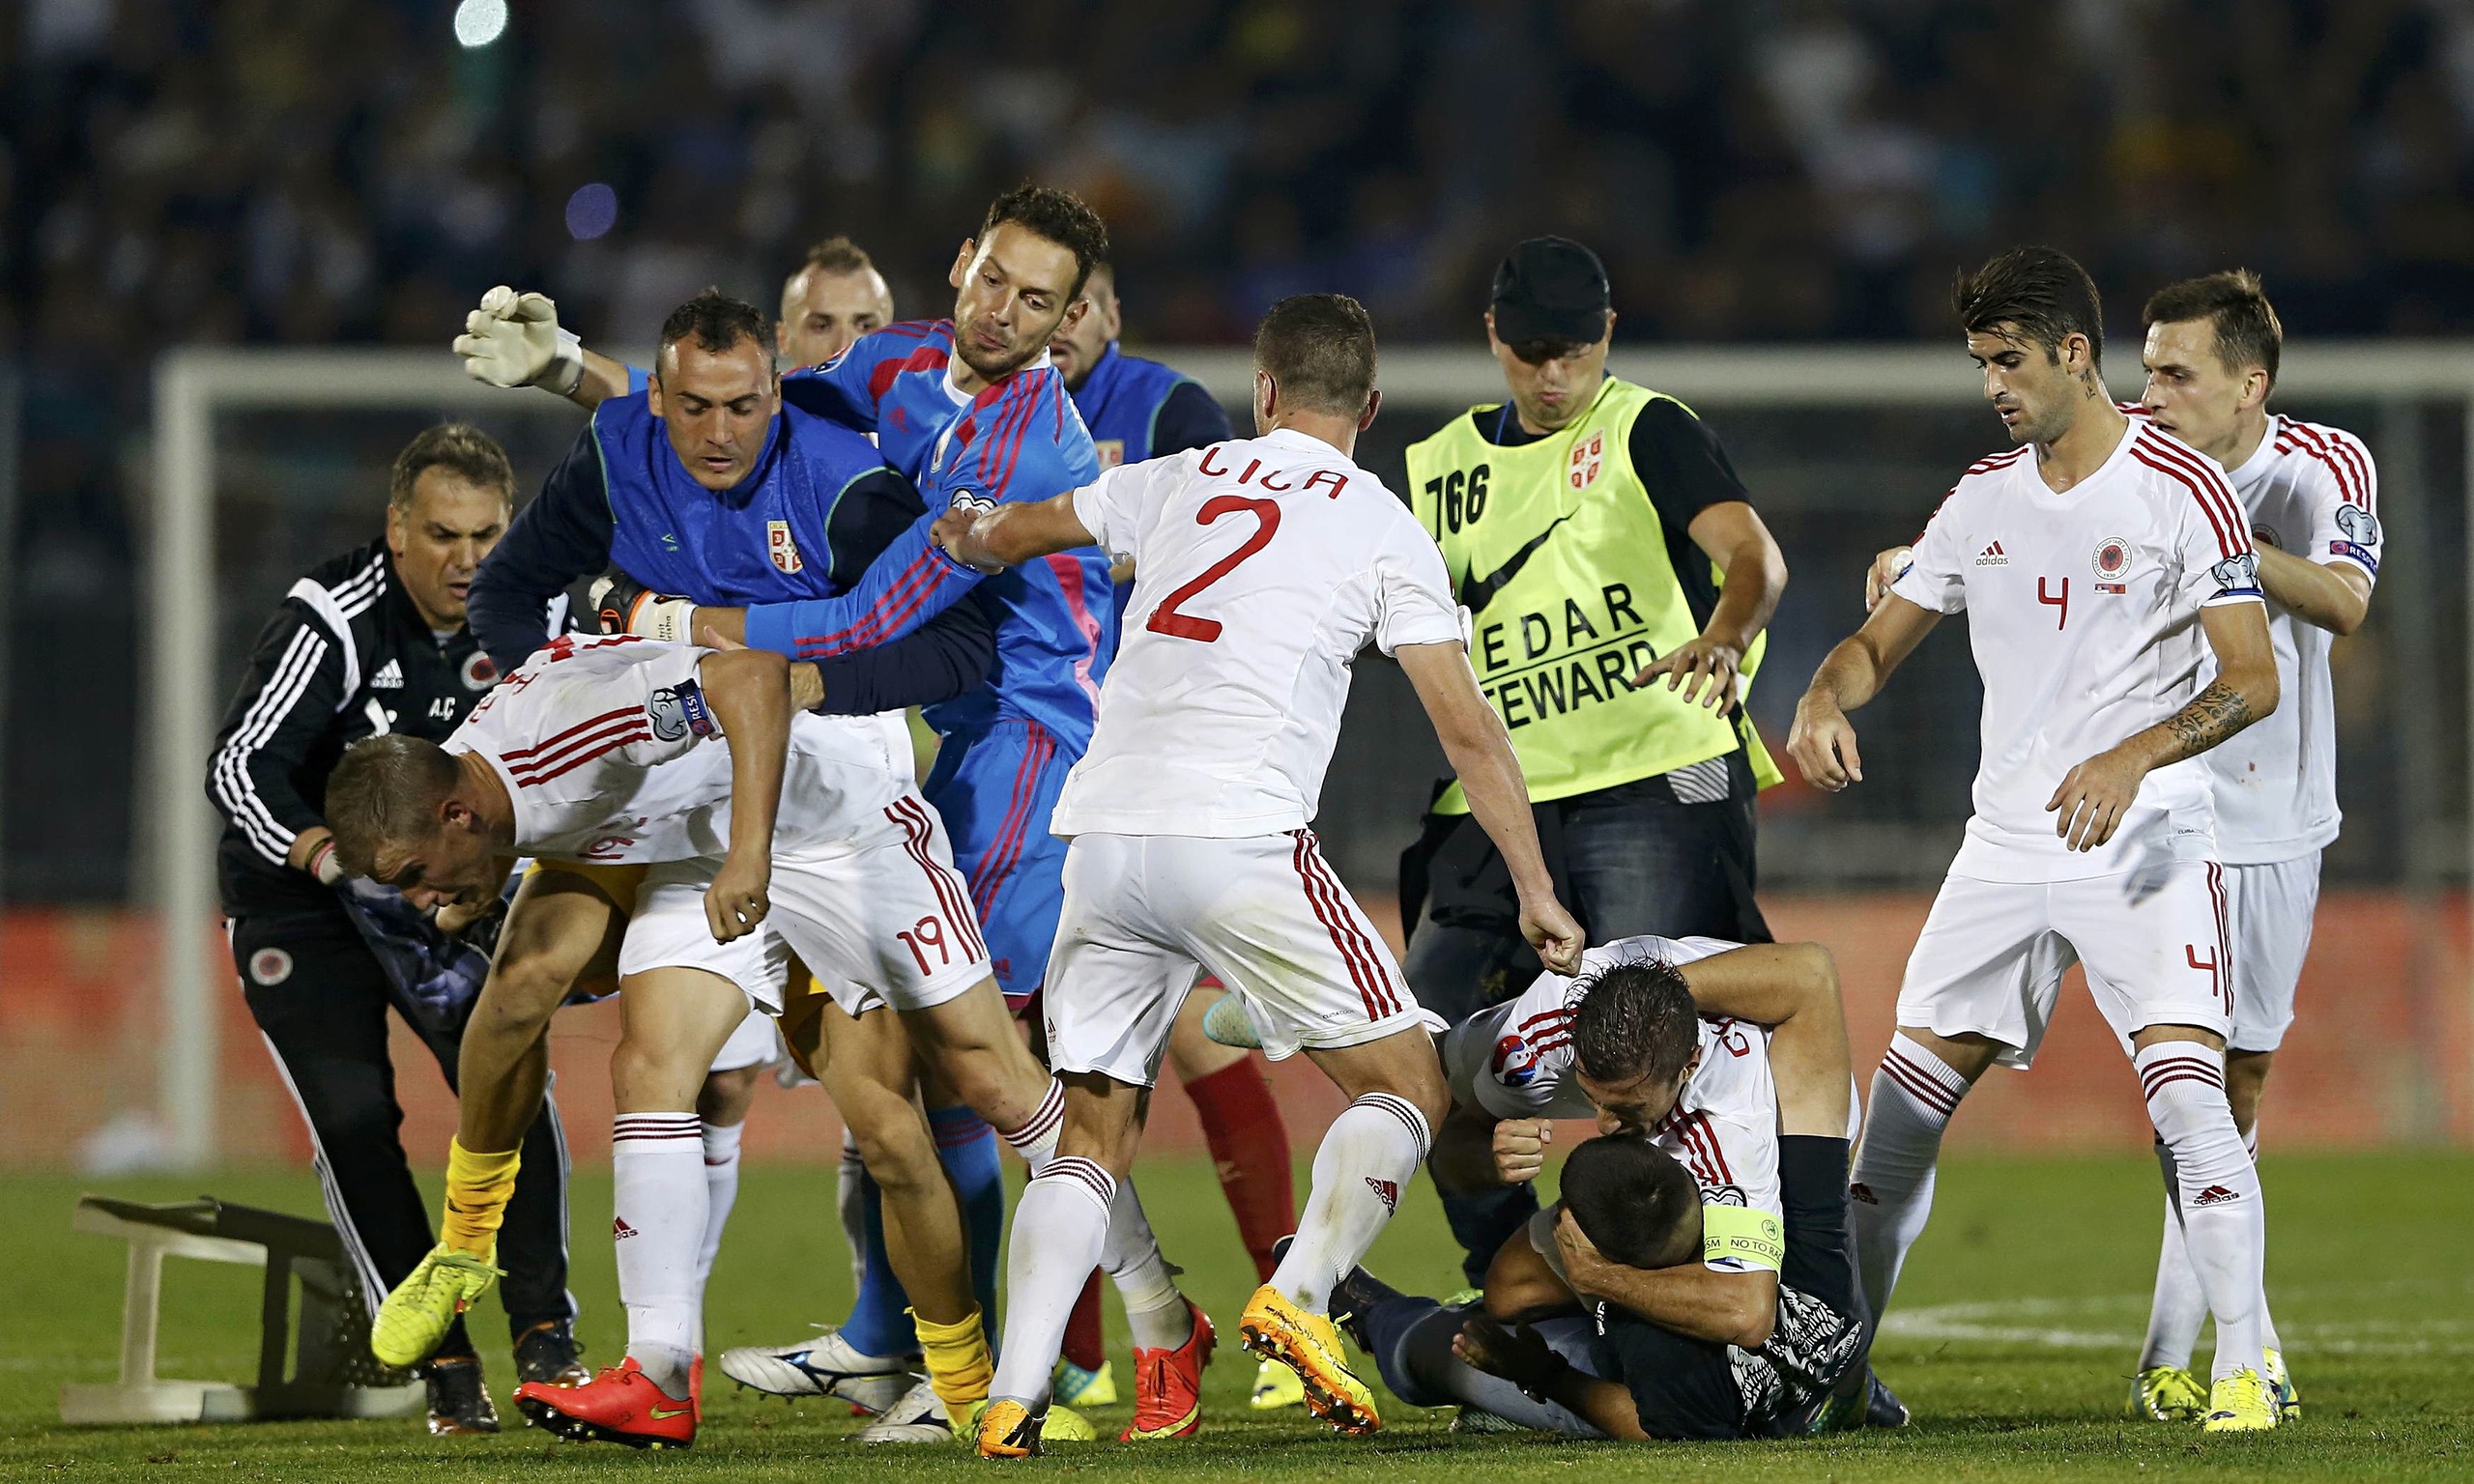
<point x="1166" y="620"/>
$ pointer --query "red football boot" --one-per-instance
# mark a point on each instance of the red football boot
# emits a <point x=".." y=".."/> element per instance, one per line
<point x="1168" y="1386"/>
<point x="620" y="1404"/>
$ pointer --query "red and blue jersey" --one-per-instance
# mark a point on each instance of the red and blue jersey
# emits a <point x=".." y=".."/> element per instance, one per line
<point x="1021" y="439"/>
<point x="1139" y="409"/>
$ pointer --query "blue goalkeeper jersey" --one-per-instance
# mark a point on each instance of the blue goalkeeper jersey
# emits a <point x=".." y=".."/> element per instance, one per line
<point x="1020" y="439"/>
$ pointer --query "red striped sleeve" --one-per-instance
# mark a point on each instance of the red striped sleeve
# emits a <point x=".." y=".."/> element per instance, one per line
<point x="2207" y="486"/>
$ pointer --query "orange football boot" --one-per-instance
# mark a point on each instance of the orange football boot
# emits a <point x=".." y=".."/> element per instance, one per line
<point x="1168" y="1385"/>
<point x="620" y="1404"/>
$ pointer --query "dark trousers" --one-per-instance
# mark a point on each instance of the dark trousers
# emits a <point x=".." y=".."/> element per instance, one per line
<point x="1628" y="860"/>
<point x="320" y="1000"/>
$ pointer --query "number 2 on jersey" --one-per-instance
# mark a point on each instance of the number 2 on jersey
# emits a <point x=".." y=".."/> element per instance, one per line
<point x="1166" y="620"/>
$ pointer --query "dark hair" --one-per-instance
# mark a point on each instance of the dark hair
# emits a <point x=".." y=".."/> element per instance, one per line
<point x="2033" y="293"/>
<point x="716" y="322"/>
<point x="1320" y="348"/>
<point x="385" y="790"/>
<point x="1637" y="1021"/>
<point x="2247" y="331"/>
<point x="1633" y="1201"/>
<point x="838" y="255"/>
<point x="1058" y="215"/>
<point x="462" y="450"/>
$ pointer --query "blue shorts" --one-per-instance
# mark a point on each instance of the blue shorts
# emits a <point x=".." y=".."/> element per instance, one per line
<point x="995" y="788"/>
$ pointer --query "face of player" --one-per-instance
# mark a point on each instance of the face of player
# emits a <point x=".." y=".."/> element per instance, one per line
<point x="717" y="406"/>
<point x="1014" y="295"/>
<point x="456" y="865"/>
<point x="1551" y="392"/>
<point x="1079" y="345"/>
<point x="1637" y="1104"/>
<point x="439" y="540"/>
<point x="2191" y="396"/>
<point x="822" y="313"/>
<point x="2036" y="392"/>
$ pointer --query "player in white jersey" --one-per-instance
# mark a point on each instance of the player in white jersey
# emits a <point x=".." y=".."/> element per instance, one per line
<point x="2101" y="564"/>
<point x="1730" y="1058"/>
<point x="2311" y="493"/>
<point x="798" y="832"/>
<point x="1264" y="566"/>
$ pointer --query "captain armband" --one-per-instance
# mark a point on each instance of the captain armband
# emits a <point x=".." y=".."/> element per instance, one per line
<point x="1753" y="1239"/>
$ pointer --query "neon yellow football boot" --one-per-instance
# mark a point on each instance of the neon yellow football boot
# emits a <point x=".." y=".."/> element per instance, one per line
<point x="1308" y="1343"/>
<point x="2281" y="1386"/>
<point x="1276" y="1386"/>
<point x="416" y="1315"/>
<point x="2166" y="1393"/>
<point x="2241" y="1402"/>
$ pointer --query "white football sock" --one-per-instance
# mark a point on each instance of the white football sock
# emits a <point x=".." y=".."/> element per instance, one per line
<point x="1059" y="1226"/>
<point x="1890" y="1190"/>
<point x="1036" y="1139"/>
<point x="2179" y="1309"/>
<point x="849" y="1203"/>
<point x="1364" y="1162"/>
<point x="658" y="1203"/>
<point x="2224" y="1220"/>
<point x="2267" y="1322"/>
<point x="721" y="1193"/>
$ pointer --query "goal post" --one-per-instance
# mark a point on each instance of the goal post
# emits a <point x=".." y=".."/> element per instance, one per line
<point x="194" y="386"/>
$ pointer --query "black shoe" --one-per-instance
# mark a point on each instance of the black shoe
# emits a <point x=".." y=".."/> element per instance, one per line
<point x="459" y="1399"/>
<point x="1882" y="1409"/>
<point x="1354" y="1298"/>
<point x="549" y="1353"/>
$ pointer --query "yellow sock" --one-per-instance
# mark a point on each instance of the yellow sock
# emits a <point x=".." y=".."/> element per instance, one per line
<point x="478" y="1188"/>
<point x="959" y="1365"/>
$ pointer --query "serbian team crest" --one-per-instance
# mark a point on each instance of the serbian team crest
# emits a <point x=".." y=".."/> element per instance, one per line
<point x="2111" y="560"/>
<point x="1586" y="459"/>
<point x="1112" y="451"/>
<point x="783" y="547"/>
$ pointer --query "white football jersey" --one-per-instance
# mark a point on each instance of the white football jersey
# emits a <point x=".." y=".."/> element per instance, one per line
<point x="1516" y="1058"/>
<point x="2084" y="615"/>
<point x="1262" y="567"/>
<point x="610" y="754"/>
<point x="2311" y="490"/>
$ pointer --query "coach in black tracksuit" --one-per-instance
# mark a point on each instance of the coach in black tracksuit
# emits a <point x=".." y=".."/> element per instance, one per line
<point x="375" y="641"/>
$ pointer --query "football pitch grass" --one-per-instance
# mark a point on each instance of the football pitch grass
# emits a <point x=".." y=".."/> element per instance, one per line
<point x="2016" y="1327"/>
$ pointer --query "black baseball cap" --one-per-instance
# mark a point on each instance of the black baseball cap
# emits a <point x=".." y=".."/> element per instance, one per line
<point x="1550" y="288"/>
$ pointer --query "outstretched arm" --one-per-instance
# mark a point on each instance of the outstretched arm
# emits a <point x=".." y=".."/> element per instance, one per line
<point x="1479" y="750"/>
<point x="1822" y="741"/>
<point x="1011" y="534"/>
<point x="749" y="691"/>
<point x="911" y="582"/>
<point x="2333" y="595"/>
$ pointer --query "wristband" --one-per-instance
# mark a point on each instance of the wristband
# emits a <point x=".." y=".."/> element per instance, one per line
<point x="565" y="371"/>
<point x="322" y="863"/>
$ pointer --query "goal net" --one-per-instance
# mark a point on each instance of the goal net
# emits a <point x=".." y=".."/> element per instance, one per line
<point x="268" y="460"/>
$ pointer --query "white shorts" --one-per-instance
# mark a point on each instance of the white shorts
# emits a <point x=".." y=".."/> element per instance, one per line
<point x="2270" y="915"/>
<point x="881" y="918"/>
<point x="1144" y="914"/>
<point x="1992" y="954"/>
<point x="668" y="930"/>
<point x="755" y="1044"/>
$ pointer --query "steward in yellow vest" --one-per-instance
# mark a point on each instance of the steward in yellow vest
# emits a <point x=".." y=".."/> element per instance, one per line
<point x="1618" y="582"/>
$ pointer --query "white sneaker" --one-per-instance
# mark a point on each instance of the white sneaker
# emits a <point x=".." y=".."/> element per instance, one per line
<point x="918" y="1418"/>
<point x="827" y="1365"/>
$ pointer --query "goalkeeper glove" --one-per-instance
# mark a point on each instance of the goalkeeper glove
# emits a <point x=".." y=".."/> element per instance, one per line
<point x="626" y="606"/>
<point x="515" y="340"/>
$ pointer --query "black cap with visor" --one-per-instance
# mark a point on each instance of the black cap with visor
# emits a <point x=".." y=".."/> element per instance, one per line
<point x="1550" y="288"/>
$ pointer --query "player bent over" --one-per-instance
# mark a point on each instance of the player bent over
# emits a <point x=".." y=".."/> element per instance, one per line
<point x="619" y="749"/>
<point x="1732" y="1060"/>
<point x="1264" y="566"/>
<point x="2102" y="564"/>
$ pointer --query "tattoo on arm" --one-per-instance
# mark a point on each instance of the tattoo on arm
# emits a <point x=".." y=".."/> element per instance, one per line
<point x="2212" y="716"/>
